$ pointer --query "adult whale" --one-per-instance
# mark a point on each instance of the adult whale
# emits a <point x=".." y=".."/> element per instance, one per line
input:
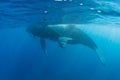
<point x="64" y="34"/>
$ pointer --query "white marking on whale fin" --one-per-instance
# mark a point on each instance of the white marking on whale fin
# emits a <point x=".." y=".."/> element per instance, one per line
<point x="63" y="41"/>
<point x="101" y="56"/>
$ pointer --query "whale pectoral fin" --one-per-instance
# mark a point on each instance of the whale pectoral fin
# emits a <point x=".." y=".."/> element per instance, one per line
<point x="101" y="56"/>
<point x="63" y="41"/>
<point x="43" y="44"/>
<point x="62" y="44"/>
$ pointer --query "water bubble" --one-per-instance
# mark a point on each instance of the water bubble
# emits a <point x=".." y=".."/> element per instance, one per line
<point x="92" y="8"/>
<point x="99" y="11"/>
<point x="45" y="11"/>
<point x="81" y="4"/>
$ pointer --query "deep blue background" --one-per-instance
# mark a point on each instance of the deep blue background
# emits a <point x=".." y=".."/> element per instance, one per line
<point x="21" y="56"/>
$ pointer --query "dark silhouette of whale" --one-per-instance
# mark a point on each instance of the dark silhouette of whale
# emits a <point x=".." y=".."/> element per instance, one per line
<point x="64" y="34"/>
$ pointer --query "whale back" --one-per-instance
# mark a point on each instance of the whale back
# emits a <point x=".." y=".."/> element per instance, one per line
<point x="77" y="35"/>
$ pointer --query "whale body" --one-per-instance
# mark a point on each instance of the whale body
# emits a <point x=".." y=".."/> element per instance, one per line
<point x="64" y="34"/>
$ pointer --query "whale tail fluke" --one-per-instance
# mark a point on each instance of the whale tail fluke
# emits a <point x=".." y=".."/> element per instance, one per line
<point x="100" y="55"/>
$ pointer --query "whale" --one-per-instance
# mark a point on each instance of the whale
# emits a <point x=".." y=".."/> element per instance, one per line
<point x="64" y="34"/>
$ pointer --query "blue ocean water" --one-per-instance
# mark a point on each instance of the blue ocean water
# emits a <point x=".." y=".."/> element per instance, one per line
<point x="21" y="55"/>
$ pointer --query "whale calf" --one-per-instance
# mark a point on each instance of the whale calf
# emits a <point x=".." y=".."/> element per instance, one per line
<point x="64" y="34"/>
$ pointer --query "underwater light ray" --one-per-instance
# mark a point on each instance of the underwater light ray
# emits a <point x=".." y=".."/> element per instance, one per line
<point x="109" y="32"/>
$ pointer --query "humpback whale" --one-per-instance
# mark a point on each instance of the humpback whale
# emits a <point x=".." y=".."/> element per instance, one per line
<point x="64" y="34"/>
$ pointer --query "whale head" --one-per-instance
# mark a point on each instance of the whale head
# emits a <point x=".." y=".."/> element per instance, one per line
<point x="36" y="30"/>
